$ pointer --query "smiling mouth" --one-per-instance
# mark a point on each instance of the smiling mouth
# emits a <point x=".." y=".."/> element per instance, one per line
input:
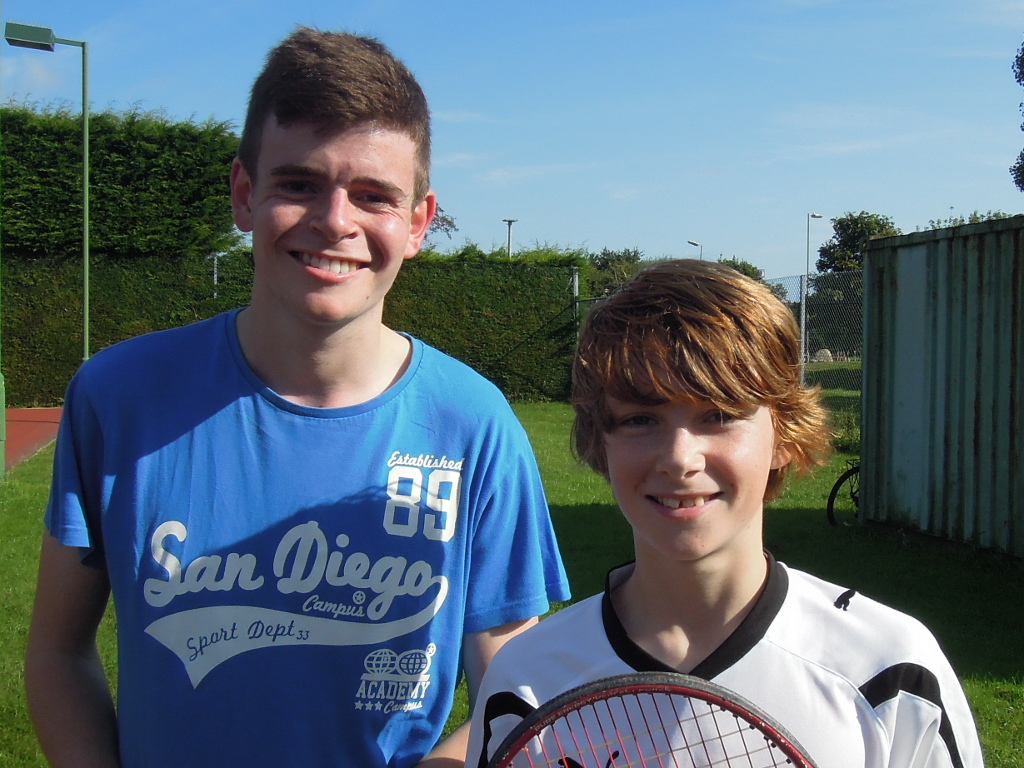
<point x="693" y="501"/>
<point x="324" y="264"/>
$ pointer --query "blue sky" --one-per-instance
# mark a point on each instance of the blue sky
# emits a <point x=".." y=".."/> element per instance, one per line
<point x="612" y="124"/>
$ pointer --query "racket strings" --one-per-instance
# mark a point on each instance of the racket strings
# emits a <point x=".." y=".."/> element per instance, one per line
<point x="648" y="730"/>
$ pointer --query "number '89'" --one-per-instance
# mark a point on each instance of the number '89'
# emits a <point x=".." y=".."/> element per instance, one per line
<point x="407" y="496"/>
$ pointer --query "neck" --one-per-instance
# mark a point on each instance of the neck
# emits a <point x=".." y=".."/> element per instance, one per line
<point x="681" y="612"/>
<point x="323" y="367"/>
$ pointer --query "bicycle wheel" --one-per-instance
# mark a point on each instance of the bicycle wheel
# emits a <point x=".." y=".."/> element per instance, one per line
<point x="843" y="500"/>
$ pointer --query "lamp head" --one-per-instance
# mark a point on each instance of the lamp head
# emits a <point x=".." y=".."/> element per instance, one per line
<point x="28" y="36"/>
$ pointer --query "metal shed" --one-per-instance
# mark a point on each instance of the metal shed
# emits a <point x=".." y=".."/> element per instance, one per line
<point x="942" y="419"/>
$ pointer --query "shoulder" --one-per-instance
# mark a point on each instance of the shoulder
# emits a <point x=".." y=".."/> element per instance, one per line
<point x="865" y="657"/>
<point x="456" y="390"/>
<point x="173" y="367"/>
<point x="152" y="353"/>
<point x="832" y="621"/>
<point x="840" y="609"/>
<point x="563" y="650"/>
<point x="853" y="608"/>
<point x="448" y="369"/>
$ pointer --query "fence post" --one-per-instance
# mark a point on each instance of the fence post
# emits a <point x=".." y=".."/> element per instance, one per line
<point x="803" y="329"/>
<point x="576" y="301"/>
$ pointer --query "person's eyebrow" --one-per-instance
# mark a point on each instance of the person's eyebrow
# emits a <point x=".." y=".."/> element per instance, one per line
<point x="293" y="170"/>
<point x="304" y="171"/>
<point x="393" y="191"/>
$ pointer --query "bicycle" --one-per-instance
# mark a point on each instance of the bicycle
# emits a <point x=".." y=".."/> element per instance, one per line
<point x="844" y="498"/>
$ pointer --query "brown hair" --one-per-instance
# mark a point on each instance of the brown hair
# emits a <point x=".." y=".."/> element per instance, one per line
<point x="337" y="81"/>
<point x="695" y="330"/>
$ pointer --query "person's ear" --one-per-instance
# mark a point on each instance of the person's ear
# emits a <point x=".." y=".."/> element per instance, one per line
<point x="422" y="215"/>
<point x="241" y="196"/>
<point x="781" y="456"/>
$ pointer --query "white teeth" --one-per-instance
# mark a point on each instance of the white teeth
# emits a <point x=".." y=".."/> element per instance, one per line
<point x="695" y="501"/>
<point x="334" y="266"/>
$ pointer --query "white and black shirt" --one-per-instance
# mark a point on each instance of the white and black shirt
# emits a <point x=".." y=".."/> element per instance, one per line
<point x="859" y="684"/>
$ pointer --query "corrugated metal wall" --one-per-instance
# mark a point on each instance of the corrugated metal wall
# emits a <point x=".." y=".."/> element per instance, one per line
<point x="942" y="427"/>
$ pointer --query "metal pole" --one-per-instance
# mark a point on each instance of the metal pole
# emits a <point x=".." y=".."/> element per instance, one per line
<point x="43" y="39"/>
<point x="85" y="201"/>
<point x="85" y="189"/>
<point x="3" y="421"/>
<point x="510" y="222"/>
<point x="803" y="328"/>
<point x="576" y="301"/>
<point x="804" y="286"/>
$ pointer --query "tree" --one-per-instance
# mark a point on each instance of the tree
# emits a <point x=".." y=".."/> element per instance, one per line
<point x="610" y="269"/>
<point x="974" y="218"/>
<point x="442" y="223"/>
<point x="844" y="251"/>
<point x="1017" y="169"/>
<point x="744" y="267"/>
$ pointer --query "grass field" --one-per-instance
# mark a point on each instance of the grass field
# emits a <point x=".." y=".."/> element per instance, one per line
<point x="971" y="600"/>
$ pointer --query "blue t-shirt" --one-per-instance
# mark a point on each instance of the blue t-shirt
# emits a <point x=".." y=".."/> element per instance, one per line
<point x="292" y="584"/>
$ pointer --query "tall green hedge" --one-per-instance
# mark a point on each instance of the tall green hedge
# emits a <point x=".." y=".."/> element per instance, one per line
<point x="42" y="311"/>
<point x="513" y="322"/>
<point x="155" y="186"/>
<point x="159" y="210"/>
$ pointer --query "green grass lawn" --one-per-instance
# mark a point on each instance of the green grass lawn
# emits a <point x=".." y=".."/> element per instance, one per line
<point x="22" y="498"/>
<point x="22" y="501"/>
<point x="971" y="600"/>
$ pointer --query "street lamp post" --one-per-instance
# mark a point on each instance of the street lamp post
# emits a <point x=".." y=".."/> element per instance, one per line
<point x="510" y="222"/>
<point x="804" y="286"/>
<point x="43" y="39"/>
<point x="695" y="244"/>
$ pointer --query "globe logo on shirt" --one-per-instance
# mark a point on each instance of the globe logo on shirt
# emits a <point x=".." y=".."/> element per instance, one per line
<point x="381" y="661"/>
<point x="413" y="663"/>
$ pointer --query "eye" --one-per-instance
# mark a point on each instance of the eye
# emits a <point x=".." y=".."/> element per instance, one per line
<point x="373" y="199"/>
<point x="634" y="420"/>
<point x="719" y="417"/>
<point x="296" y="186"/>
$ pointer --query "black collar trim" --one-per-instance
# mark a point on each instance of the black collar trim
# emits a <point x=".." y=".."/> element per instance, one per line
<point x="736" y="646"/>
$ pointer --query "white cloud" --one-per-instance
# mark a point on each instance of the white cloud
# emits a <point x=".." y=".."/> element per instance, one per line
<point x="456" y="160"/>
<point x="619" y="192"/>
<point x="454" y="116"/>
<point x="823" y="130"/>
<point x="36" y="74"/>
<point x="511" y="175"/>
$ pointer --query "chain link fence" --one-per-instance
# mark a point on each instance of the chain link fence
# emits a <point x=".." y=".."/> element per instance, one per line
<point x="828" y="307"/>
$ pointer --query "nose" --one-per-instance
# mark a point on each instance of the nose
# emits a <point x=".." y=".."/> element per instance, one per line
<point x="332" y="216"/>
<point x="682" y="452"/>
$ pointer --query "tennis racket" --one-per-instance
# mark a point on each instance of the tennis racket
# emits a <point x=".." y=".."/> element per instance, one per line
<point x="645" y="720"/>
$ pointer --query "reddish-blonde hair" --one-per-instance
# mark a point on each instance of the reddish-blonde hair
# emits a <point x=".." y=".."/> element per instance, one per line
<point x="691" y="330"/>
